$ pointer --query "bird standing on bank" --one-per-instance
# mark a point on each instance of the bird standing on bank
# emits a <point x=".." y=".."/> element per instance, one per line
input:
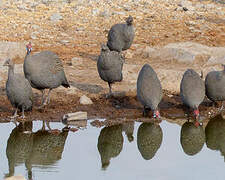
<point x="44" y="70"/>
<point x="121" y="36"/>
<point x="192" y="91"/>
<point x="110" y="65"/>
<point x="18" y="90"/>
<point x="215" y="86"/>
<point x="149" y="90"/>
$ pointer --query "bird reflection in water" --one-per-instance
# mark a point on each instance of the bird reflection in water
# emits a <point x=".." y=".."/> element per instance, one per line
<point x="149" y="139"/>
<point x="128" y="128"/>
<point x="215" y="134"/>
<point x="192" y="138"/>
<point x="40" y="149"/>
<point x="110" y="143"/>
<point x="19" y="146"/>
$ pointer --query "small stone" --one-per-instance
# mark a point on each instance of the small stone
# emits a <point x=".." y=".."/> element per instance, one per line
<point x="36" y="27"/>
<point x="104" y="14"/>
<point x="33" y="35"/>
<point x="85" y="100"/>
<point x="95" y="12"/>
<point x="190" y="23"/>
<point x="147" y="52"/>
<point x="76" y="61"/>
<point x="64" y="42"/>
<point x="129" y="54"/>
<point x="185" y="9"/>
<point x="119" y="13"/>
<point x="56" y="17"/>
<point x="80" y="115"/>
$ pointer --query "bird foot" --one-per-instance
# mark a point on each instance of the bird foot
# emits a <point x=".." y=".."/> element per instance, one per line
<point x="27" y="132"/>
<point x="42" y="106"/>
<point x="108" y="96"/>
<point x="54" y="131"/>
<point x="73" y="129"/>
<point x="23" y="117"/>
<point x="13" y="117"/>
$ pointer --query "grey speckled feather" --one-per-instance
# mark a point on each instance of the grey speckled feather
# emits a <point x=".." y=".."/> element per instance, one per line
<point x="18" y="90"/>
<point x="44" y="70"/>
<point x="149" y="89"/>
<point x="192" y="89"/>
<point x="121" y="36"/>
<point x="110" y="65"/>
<point x="215" y="85"/>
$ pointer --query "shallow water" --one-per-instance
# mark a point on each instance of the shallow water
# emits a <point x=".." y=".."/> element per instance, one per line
<point x="151" y="152"/>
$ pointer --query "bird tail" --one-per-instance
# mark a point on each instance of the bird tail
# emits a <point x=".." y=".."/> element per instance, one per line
<point x="66" y="84"/>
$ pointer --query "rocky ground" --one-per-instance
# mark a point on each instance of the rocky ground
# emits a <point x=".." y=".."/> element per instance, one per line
<point x="171" y="35"/>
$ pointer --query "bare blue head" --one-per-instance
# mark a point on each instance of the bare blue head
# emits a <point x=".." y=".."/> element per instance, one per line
<point x="29" y="48"/>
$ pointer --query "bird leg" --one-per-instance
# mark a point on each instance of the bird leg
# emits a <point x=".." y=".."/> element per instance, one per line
<point x="145" y="111"/>
<point x="23" y="116"/>
<point x="52" y="131"/>
<point x="221" y="108"/>
<point x="110" y="91"/>
<point x="42" y="96"/>
<point x="43" y="126"/>
<point x="15" y="114"/>
<point x="47" y="100"/>
<point x="110" y="88"/>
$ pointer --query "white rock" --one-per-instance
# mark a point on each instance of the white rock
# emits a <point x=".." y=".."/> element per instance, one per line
<point x="12" y="49"/>
<point x="76" y="61"/>
<point x="19" y="177"/>
<point x="147" y="51"/>
<point x="36" y="27"/>
<point x="64" y="41"/>
<point x="80" y="115"/>
<point x="187" y="52"/>
<point x="187" y="4"/>
<point x="217" y="56"/>
<point x="85" y="100"/>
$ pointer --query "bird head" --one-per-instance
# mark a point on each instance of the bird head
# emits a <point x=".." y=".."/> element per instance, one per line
<point x="156" y="114"/>
<point x="196" y="113"/>
<point x="197" y="117"/>
<point x="104" y="47"/>
<point x="29" y="48"/>
<point x="8" y="62"/>
<point x="129" y="20"/>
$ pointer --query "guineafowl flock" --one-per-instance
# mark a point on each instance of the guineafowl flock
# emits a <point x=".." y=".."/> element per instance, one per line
<point x="44" y="70"/>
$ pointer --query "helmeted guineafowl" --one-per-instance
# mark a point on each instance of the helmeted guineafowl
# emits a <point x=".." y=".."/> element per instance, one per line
<point x="44" y="70"/>
<point x="149" y="90"/>
<point x="215" y="85"/>
<point x="110" y="65"/>
<point x="192" y="91"/>
<point x="18" y="90"/>
<point x="121" y="36"/>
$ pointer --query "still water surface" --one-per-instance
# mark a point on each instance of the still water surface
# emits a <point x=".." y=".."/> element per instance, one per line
<point x="151" y="152"/>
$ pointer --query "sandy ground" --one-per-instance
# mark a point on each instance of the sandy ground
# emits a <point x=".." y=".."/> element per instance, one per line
<point x="153" y="28"/>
